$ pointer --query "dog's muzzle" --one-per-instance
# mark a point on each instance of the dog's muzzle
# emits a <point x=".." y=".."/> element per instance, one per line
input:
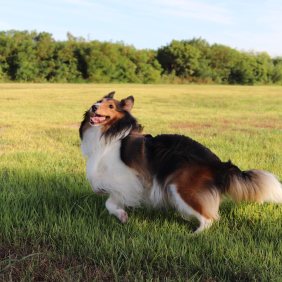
<point x="95" y="107"/>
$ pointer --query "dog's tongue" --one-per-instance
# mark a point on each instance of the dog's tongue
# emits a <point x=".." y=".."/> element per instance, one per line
<point x="97" y="119"/>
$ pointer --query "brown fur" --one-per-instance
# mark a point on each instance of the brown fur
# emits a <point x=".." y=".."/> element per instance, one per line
<point x="105" y="110"/>
<point x="138" y="134"/>
<point x="191" y="182"/>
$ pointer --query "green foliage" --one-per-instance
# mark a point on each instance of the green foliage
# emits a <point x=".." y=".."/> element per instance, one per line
<point x="38" y="57"/>
<point x="197" y="61"/>
<point x="181" y="57"/>
<point x="116" y="62"/>
<point x="276" y="74"/>
<point x="1" y="73"/>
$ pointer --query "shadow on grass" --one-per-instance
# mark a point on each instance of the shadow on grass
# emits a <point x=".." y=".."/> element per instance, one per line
<point x="41" y="196"/>
<point x="58" y="217"/>
<point x="57" y="214"/>
<point x="61" y="194"/>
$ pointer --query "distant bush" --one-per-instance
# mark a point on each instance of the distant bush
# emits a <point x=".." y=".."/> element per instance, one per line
<point x="37" y="57"/>
<point x="197" y="61"/>
<point x="116" y="62"/>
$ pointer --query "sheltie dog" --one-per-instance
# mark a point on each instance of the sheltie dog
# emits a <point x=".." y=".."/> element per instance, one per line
<point x="171" y="171"/>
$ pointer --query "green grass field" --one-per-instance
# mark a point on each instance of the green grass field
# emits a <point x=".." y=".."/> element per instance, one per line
<point x="54" y="228"/>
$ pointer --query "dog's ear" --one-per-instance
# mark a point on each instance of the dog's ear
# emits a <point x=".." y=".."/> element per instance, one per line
<point x="127" y="103"/>
<point x="110" y="95"/>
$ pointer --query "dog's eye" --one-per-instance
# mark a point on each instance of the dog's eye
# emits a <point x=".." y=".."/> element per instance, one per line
<point x="111" y="106"/>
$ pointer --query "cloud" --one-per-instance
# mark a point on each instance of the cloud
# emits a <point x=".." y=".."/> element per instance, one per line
<point x="191" y="9"/>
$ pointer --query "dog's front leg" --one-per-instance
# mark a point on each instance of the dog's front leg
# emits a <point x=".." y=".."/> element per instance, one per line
<point x="113" y="207"/>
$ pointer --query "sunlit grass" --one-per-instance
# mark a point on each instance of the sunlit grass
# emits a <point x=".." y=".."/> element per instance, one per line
<point x="48" y="208"/>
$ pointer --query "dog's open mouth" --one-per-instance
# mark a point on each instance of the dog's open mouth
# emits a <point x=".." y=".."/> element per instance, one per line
<point x="98" y="119"/>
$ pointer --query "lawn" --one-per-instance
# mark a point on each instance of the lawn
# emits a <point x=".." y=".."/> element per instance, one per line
<point x="54" y="228"/>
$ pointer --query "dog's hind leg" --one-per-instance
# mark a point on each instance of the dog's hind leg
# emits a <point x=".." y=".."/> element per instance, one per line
<point x="193" y="207"/>
<point x="113" y="207"/>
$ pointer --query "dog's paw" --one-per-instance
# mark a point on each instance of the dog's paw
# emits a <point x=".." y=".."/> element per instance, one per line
<point x="123" y="217"/>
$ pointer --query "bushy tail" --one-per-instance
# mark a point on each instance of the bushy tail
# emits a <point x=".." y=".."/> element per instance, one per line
<point x="254" y="185"/>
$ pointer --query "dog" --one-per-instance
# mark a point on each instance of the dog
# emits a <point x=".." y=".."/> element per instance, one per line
<point x="171" y="171"/>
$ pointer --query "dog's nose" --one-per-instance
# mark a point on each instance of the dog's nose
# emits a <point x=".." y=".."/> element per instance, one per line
<point x="94" y="108"/>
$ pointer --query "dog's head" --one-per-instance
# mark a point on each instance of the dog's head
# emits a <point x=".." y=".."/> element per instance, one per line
<point x="108" y="110"/>
<point x="112" y="116"/>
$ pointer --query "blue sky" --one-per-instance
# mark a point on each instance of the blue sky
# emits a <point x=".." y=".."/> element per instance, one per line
<point x="245" y="25"/>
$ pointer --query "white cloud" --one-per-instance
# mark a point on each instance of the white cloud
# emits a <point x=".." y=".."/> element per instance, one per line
<point x="191" y="9"/>
<point x="178" y="9"/>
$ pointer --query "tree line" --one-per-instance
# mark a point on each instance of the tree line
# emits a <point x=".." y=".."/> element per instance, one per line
<point x="37" y="57"/>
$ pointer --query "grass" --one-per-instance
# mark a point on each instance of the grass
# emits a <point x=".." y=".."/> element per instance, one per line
<point x="54" y="228"/>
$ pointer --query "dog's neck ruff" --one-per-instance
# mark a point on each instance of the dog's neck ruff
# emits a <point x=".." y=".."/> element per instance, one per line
<point x="106" y="172"/>
<point x="94" y="142"/>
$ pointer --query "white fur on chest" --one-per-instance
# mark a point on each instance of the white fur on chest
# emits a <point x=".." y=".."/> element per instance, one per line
<point x="105" y="170"/>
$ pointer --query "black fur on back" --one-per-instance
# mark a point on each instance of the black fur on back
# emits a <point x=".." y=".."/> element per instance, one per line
<point x="171" y="152"/>
<point x="166" y="154"/>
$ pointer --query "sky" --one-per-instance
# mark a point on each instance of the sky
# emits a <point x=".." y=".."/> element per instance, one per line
<point x="150" y="24"/>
